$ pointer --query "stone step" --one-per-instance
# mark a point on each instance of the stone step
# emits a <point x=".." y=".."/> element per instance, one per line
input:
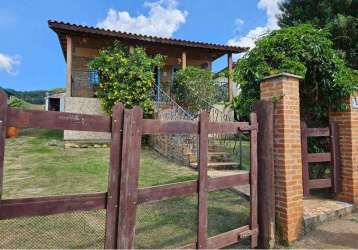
<point x="317" y="211"/>
<point x="217" y="153"/>
<point x="217" y="164"/>
<point x="211" y="153"/>
<point x="212" y="156"/>
<point x="219" y="158"/>
<point x="216" y="148"/>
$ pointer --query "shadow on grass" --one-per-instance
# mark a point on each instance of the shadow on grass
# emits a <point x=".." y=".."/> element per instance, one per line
<point x="173" y="223"/>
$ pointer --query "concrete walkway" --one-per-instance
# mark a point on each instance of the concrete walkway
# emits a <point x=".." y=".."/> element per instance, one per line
<point x="341" y="233"/>
<point x="243" y="189"/>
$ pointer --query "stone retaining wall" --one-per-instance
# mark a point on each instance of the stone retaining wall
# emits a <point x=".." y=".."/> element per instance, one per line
<point x="176" y="147"/>
<point x="90" y="106"/>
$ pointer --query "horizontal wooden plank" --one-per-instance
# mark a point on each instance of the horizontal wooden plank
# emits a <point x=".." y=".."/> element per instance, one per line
<point x="191" y="127"/>
<point x="222" y="240"/>
<point x="41" y="206"/>
<point x="320" y="183"/>
<point x="23" y="118"/>
<point x="229" y="127"/>
<point x="189" y="246"/>
<point x="160" y="192"/>
<point x="319" y="157"/>
<point x="317" y="132"/>
<point x="227" y="239"/>
<point x="169" y="127"/>
<point x="228" y="181"/>
<point x="186" y="188"/>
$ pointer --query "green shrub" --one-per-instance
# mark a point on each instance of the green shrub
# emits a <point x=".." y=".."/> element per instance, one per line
<point x="195" y="89"/>
<point x="125" y="77"/>
<point x="301" y="50"/>
<point x="16" y="103"/>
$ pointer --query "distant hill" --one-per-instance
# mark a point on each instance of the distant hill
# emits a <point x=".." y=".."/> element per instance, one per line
<point x="32" y="96"/>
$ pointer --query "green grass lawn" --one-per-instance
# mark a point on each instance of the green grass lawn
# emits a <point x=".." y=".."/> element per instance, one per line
<point x="36" y="164"/>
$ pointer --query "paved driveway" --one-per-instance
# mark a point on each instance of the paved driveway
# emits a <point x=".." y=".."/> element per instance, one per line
<point x="341" y="233"/>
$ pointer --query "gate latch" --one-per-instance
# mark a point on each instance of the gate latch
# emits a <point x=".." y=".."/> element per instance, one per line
<point x="248" y="233"/>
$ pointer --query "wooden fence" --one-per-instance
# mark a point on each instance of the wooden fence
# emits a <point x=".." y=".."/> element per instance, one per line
<point x="332" y="157"/>
<point x="123" y="195"/>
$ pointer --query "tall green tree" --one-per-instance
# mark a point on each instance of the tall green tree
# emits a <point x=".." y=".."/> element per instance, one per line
<point x="340" y="17"/>
<point x="302" y="50"/>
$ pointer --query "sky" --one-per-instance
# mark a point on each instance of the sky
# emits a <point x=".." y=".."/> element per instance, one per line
<point x="31" y="57"/>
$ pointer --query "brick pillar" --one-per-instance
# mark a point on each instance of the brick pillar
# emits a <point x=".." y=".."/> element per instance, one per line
<point x="283" y="89"/>
<point x="347" y="122"/>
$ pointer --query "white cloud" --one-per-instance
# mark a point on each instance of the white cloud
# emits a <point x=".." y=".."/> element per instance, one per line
<point x="163" y="19"/>
<point x="8" y="63"/>
<point x="272" y="10"/>
<point x="239" y="22"/>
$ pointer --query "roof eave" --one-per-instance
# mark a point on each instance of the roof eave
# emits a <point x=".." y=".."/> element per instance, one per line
<point x="65" y="28"/>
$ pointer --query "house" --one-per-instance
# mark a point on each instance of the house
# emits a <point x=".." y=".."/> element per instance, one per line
<point x="80" y="44"/>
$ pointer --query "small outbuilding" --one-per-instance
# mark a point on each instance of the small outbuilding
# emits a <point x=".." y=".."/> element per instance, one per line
<point x="55" y="102"/>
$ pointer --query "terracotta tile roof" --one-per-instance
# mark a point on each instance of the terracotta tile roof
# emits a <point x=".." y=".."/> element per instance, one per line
<point x="62" y="28"/>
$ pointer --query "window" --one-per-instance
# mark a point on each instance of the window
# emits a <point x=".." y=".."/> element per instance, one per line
<point x="93" y="77"/>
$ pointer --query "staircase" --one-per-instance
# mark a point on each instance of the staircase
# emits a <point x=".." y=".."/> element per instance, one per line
<point x="218" y="158"/>
<point x="184" y="148"/>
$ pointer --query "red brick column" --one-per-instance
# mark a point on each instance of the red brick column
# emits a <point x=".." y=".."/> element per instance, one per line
<point x="347" y="122"/>
<point x="283" y="89"/>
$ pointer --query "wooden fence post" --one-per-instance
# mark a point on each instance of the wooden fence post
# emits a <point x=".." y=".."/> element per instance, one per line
<point x="3" y="115"/>
<point x="253" y="181"/>
<point x="203" y="180"/>
<point x="335" y="160"/>
<point x="266" y="184"/>
<point x="305" y="166"/>
<point x="132" y="135"/>
<point x="114" y="177"/>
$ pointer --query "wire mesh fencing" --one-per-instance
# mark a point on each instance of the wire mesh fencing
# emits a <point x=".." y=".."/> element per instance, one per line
<point x="170" y="223"/>
<point x="77" y="230"/>
<point x="227" y="209"/>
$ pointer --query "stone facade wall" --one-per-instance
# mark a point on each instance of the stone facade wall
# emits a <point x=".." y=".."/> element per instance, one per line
<point x="178" y="147"/>
<point x="89" y="106"/>
<point x="172" y="147"/>
<point x="287" y="153"/>
<point x="347" y="122"/>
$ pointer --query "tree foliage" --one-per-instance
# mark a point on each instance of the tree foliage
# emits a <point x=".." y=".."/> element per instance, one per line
<point x="301" y="50"/>
<point x="195" y="88"/>
<point x="125" y="77"/>
<point x="17" y="103"/>
<point x="32" y="96"/>
<point x="340" y="17"/>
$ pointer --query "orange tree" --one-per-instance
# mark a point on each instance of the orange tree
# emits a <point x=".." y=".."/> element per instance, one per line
<point x="125" y="77"/>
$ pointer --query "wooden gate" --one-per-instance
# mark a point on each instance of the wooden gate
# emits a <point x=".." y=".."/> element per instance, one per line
<point x="123" y="195"/>
<point x="332" y="157"/>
